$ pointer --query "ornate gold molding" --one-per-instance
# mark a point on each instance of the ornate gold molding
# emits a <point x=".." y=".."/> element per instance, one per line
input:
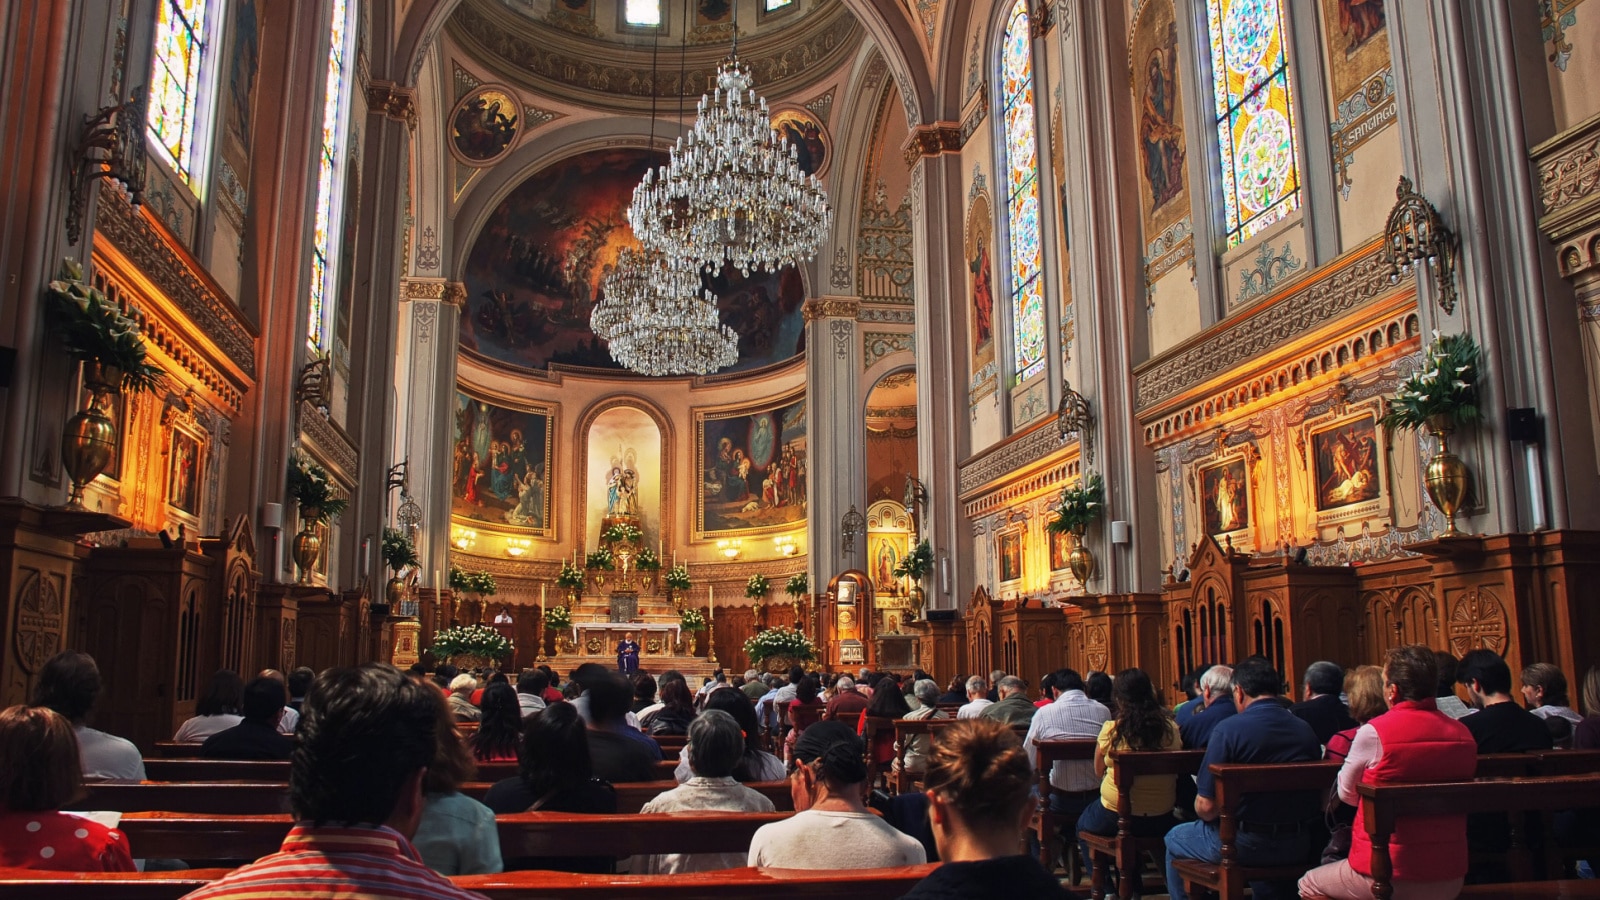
<point x="393" y="101"/>
<point x="830" y="308"/>
<point x="1568" y="166"/>
<point x="451" y="292"/>
<point x="932" y="140"/>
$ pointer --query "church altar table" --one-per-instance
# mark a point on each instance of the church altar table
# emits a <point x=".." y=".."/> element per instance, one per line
<point x="609" y="633"/>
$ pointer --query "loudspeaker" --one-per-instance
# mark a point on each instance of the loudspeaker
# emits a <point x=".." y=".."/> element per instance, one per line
<point x="1524" y="425"/>
<point x="941" y="615"/>
<point x="272" y="516"/>
<point x="1120" y="532"/>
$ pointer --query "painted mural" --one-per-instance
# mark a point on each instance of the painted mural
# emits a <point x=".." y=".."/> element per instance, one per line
<point x="623" y="471"/>
<point x="752" y="469"/>
<point x="242" y="68"/>
<point x="483" y="125"/>
<point x="183" y="477"/>
<point x="1060" y="549"/>
<point x="807" y="136"/>
<point x="1346" y="458"/>
<point x="980" y="269"/>
<point x="533" y="274"/>
<point x="1161" y="147"/>
<point x="1011" y="556"/>
<point x="1356" y="32"/>
<point x="501" y="465"/>
<point x="1225" y="497"/>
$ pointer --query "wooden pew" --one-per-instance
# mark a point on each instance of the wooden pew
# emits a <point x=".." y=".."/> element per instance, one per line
<point x="733" y="884"/>
<point x="192" y="836"/>
<point x="904" y="730"/>
<point x="1234" y="781"/>
<point x="1047" y="753"/>
<point x="1123" y="848"/>
<point x="1383" y="805"/>
<point x="251" y="799"/>
<point x="278" y="770"/>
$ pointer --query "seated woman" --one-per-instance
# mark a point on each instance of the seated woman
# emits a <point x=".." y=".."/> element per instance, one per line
<point x="499" y="733"/>
<point x="219" y="709"/>
<point x="755" y="764"/>
<point x="39" y="774"/>
<point x="555" y="774"/>
<point x="1141" y="723"/>
<point x="807" y="692"/>
<point x="461" y="688"/>
<point x="927" y="693"/>
<point x="456" y="834"/>
<point x="675" y="714"/>
<point x="715" y="749"/>
<point x="832" y="828"/>
<point x="887" y="703"/>
<point x="1412" y="742"/>
<point x="978" y="801"/>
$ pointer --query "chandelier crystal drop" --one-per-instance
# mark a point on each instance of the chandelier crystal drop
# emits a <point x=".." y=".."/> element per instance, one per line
<point x="732" y="189"/>
<point x="658" y="321"/>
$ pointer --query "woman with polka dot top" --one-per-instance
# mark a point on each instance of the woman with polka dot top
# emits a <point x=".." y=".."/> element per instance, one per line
<point x="39" y="774"/>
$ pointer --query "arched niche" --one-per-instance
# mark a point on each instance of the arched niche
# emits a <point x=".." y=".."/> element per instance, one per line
<point x="617" y="435"/>
<point x="891" y="435"/>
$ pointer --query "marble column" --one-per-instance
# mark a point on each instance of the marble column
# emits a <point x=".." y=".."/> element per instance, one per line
<point x="425" y="385"/>
<point x="836" y="436"/>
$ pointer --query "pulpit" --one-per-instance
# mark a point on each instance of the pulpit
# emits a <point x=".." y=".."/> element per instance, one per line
<point x="508" y="630"/>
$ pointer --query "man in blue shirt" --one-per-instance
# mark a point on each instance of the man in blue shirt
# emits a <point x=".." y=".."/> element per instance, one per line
<point x="1216" y="704"/>
<point x="1273" y="828"/>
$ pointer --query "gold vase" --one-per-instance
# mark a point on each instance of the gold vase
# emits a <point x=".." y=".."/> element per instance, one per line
<point x="690" y="639"/>
<point x="919" y="599"/>
<point x="1447" y="478"/>
<point x="598" y="579"/>
<point x="307" y="546"/>
<point x="1080" y="560"/>
<point x="90" y="437"/>
<point x="394" y="591"/>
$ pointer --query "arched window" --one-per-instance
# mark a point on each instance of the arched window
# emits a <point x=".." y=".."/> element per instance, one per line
<point x="330" y="176"/>
<point x="1254" y="115"/>
<point x="1022" y="193"/>
<point x="178" y="71"/>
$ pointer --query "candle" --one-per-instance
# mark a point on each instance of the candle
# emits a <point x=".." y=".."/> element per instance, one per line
<point x="542" y="586"/>
<point x="711" y="599"/>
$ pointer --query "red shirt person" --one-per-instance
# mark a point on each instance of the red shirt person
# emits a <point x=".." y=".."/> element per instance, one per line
<point x="39" y="774"/>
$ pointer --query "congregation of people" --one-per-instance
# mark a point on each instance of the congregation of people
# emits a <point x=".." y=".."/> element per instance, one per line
<point x="378" y="758"/>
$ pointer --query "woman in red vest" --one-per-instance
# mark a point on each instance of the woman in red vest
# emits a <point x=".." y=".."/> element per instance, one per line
<point x="1412" y="742"/>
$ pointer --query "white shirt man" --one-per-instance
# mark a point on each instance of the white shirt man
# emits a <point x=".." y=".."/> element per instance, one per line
<point x="977" y="698"/>
<point x="1072" y="716"/>
<point x="106" y="757"/>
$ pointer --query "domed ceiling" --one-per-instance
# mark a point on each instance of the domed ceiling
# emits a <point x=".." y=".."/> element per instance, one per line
<point x="534" y="272"/>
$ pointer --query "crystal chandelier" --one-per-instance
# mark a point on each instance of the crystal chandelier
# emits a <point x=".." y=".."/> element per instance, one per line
<point x="733" y="188"/>
<point x="658" y="321"/>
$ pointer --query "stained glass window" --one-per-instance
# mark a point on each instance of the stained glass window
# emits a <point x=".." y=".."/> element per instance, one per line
<point x="1022" y="194"/>
<point x="777" y="4"/>
<point x="644" y="13"/>
<point x="175" y="81"/>
<point x="1254" y="115"/>
<point x="330" y="171"/>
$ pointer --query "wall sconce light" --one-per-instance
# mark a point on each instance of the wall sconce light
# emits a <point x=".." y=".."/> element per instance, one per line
<point x="463" y="538"/>
<point x="516" y="547"/>
<point x="851" y="526"/>
<point x="784" y="543"/>
<point x="1073" y="417"/>
<point x="1415" y="235"/>
<point x="730" y="548"/>
<point x="111" y="145"/>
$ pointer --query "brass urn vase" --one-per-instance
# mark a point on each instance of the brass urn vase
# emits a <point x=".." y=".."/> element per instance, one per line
<point x="1447" y="478"/>
<point x="1080" y="560"/>
<point x="690" y="639"/>
<point x="394" y="591"/>
<point x="919" y="599"/>
<point x="307" y="544"/>
<point x="90" y="437"/>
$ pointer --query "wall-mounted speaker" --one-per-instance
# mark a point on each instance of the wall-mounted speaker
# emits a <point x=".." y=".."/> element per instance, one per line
<point x="272" y="516"/>
<point x="941" y="615"/>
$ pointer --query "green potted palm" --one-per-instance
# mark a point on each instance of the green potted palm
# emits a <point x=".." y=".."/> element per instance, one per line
<point x="93" y="331"/>
<point x="316" y="497"/>
<point x="399" y="554"/>
<point x="915" y="565"/>
<point x="1079" y="507"/>
<point x="1442" y="397"/>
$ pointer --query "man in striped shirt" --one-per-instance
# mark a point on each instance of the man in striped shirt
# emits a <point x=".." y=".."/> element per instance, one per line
<point x="355" y="785"/>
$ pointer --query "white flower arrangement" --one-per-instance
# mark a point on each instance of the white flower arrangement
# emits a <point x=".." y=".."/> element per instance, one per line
<point x="472" y="640"/>
<point x="781" y="641"/>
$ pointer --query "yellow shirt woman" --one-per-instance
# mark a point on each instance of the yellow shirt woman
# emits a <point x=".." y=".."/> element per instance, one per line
<point x="1153" y="795"/>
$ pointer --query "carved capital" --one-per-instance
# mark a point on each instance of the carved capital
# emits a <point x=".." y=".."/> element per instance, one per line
<point x="830" y="308"/>
<point x="932" y="140"/>
<point x="393" y="101"/>
<point x="451" y="292"/>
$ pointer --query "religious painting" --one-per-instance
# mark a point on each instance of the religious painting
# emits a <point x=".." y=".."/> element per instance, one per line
<point x="1225" y="497"/>
<point x="713" y="12"/>
<point x="1161" y="148"/>
<point x="534" y="271"/>
<point x="501" y="464"/>
<point x="624" y="472"/>
<point x="1060" y="547"/>
<point x="807" y="136"/>
<point x="243" y="64"/>
<point x="1345" y="458"/>
<point x="183" y="472"/>
<point x="483" y="126"/>
<point x="752" y="469"/>
<point x="1357" y="37"/>
<point x="1010" y="556"/>
<point x="980" y="269"/>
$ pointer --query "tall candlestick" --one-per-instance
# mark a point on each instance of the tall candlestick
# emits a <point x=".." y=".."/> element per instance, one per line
<point x="711" y="599"/>
<point x="542" y="586"/>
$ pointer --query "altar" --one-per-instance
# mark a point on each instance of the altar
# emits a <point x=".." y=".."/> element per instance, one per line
<point x="600" y="638"/>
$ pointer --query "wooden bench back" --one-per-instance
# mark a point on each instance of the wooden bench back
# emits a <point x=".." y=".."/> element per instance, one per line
<point x="1128" y="765"/>
<point x="278" y="770"/>
<point x="803" y="715"/>
<point x="733" y="884"/>
<point x="1384" y="805"/>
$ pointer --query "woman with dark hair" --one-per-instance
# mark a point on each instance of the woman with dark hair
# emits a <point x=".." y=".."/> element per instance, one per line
<point x="676" y="713"/>
<point x="755" y="764"/>
<point x="557" y="775"/>
<point x="220" y="708"/>
<point x="978" y="782"/>
<point x="499" y="733"/>
<point x="1098" y="687"/>
<point x="807" y="692"/>
<point x="456" y="834"/>
<point x="886" y="703"/>
<point x="644" y="692"/>
<point x="38" y="775"/>
<point x="1139" y="722"/>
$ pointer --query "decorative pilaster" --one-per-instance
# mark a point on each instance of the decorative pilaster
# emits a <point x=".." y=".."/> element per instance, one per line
<point x="430" y="310"/>
<point x="837" y="433"/>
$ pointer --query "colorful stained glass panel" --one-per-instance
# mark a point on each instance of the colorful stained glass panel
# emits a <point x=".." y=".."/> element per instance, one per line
<point x="175" y="81"/>
<point x="1254" y="115"/>
<point x="1022" y="194"/>
<point x="326" y="219"/>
